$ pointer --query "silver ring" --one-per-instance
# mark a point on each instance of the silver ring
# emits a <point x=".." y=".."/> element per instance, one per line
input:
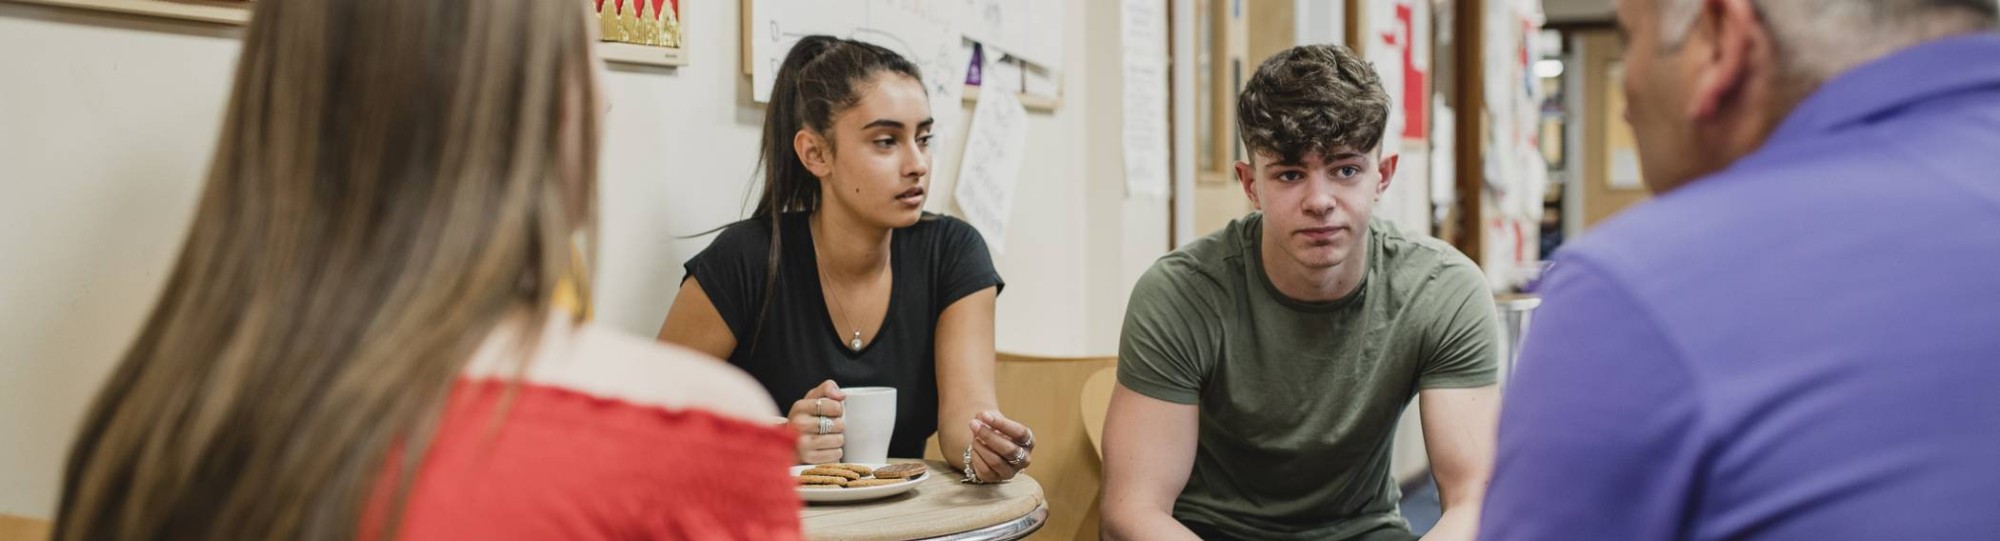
<point x="1020" y="456"/>
<point x="1030" y="442"/>
<point x="825" y="425"/>
<point x="817" y="402"/>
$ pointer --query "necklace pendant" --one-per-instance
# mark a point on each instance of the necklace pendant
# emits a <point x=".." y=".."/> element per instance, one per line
<point x="856" y="343"/>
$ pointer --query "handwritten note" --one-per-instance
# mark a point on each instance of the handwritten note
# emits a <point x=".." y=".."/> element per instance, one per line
<point x="925" y="33"/>
<point x="992" y="165"/>
<point x="1030" y="29"/>
<point x="1003" y="73"/>
<point x="1145" y="105"/>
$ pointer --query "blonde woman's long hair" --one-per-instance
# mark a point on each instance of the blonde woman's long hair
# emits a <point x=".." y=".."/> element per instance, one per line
<point x="394" y="180"/>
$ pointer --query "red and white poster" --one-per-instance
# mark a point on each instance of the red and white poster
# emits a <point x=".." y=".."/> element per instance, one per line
<point x="1397" y="40"/>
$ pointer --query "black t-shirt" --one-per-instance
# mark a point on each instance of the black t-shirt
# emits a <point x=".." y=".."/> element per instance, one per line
<point x="795" y="347"/>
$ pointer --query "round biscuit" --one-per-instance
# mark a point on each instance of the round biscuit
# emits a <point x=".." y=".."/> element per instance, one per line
<point x="856" y="468"/>
<point x="865" y="483"/>
<point x="900" y="471"/>
<point x="822" y="480"/>
<point x="833" y="472"/>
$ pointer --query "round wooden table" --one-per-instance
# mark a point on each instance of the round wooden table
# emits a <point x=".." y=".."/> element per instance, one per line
<point x="939" y="508"/>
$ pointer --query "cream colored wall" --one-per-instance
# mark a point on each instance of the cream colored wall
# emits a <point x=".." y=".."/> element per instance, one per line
<point x="1216" y="203"/>
<point x="1123" y="235"/>
<point x="106" y="124"/>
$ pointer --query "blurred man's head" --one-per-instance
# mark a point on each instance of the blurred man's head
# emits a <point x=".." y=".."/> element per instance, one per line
<point x="1313" y="119"/>
<point x="1706" y="81"/>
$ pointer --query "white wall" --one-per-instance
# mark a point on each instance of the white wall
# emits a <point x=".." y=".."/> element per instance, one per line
<point x="1320" y="21"/>
<point x="107" y="122"/>
<point x="106" y="125"/>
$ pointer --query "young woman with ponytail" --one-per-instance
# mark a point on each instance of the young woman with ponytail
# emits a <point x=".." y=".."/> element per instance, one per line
<point x="840" y="276"/>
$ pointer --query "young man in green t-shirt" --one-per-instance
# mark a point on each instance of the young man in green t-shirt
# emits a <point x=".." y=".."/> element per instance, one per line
<point x="1263" y="368"/>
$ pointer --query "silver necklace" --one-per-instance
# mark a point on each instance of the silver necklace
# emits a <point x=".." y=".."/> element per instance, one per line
<point x="855" y="342"/>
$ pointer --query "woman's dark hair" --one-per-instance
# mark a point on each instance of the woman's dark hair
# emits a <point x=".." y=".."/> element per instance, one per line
<point x="821" y="77"/>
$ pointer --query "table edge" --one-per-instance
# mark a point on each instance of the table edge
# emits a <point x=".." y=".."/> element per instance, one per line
<point x="1018" y="528"/>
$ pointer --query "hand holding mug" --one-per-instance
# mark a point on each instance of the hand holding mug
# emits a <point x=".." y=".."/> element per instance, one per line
<point x="820" y="421"/>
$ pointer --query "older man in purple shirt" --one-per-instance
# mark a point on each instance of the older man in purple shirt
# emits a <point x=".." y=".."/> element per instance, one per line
<point x="1800" y="337"/>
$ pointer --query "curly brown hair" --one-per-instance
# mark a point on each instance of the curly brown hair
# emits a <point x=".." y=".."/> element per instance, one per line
<point x="1312" y="99"/>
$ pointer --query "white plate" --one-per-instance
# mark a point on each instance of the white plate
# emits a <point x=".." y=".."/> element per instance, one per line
<point x="838" y="495"/>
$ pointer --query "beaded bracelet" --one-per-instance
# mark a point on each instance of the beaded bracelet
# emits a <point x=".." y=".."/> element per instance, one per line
<point x="971" y="477"/>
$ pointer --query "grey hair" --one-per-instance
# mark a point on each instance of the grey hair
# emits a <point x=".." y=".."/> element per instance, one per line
<point x="1818" y="39"/>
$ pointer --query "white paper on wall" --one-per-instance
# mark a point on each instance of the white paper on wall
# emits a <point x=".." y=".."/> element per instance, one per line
<point x="991" y="168"/>
<point x="925" y="32"/>
<point x="1032" y="29"/>
<point x="1144" y="26"/>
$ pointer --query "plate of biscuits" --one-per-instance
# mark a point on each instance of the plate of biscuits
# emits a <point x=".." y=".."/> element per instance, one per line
<point x="831" y="483"/>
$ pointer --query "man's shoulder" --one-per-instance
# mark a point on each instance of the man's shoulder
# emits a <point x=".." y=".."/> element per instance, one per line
<point x="1718" y="241"/>
<point x="1221" y="248"/>
<point x="1422" y="260"/>
<point x="1203" y="267"/>
<point x="1712" y="224"/>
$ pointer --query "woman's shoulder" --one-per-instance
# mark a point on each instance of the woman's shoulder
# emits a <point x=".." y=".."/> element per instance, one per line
<point x="943" y="224"/>
<point x="666" y="375"/>
<point x="947" y="231"/>
<point x="607" y="363"/>
<point x="685" y="377"/>
<point x="670" y="442"/>
<point x="746" y="238"/>
<point x="733" y="265"/>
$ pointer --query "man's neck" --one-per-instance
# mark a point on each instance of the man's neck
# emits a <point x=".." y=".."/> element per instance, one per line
<point x="848" y="247"/>
<point x="1304" y="284"/>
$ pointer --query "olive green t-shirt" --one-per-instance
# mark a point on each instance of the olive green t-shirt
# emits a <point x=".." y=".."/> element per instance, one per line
<point x="1299" y="401"/>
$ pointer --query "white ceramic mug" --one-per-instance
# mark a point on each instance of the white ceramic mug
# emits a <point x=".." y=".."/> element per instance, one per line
<point x="871" y="421"/>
